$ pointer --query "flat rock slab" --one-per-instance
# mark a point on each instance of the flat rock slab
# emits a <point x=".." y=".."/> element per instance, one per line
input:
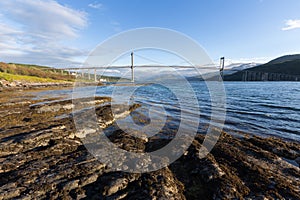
<point x="43" y="157"/>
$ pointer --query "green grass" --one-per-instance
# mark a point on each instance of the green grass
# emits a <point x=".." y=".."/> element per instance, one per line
<point x="35" y="71"/>
<point x="25" y="78"/>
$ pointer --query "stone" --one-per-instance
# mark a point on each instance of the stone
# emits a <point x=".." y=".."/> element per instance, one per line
<point x="43" y="157"/>
<point x="115" y="186"/>
<point x="298" y="160"/>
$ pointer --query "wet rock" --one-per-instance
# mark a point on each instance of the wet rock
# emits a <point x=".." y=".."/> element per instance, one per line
<point x="115" y="186"/>
<point x="163" y="184"/>
<point x="89" y="179"/>
<point x="83" y="133"/>
<point x="298" y="161"/>
<point x="10" y="191"/>
<point x="55" y="106"/>
<point x="27" y="85"/>
<point x="44" y="157"/>
<point x="71" y="185"/>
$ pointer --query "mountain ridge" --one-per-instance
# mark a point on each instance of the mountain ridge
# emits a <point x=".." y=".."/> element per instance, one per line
<point x="284" y="68"/>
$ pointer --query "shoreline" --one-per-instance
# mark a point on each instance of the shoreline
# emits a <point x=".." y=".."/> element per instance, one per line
<point x="13" y="86"/>
<point x="42" y="156"/>
<point x="6" y="86"/>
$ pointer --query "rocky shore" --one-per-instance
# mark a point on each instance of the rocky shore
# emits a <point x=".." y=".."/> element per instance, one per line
<point x="7" y="85"/>
<point x="42" y="157"/>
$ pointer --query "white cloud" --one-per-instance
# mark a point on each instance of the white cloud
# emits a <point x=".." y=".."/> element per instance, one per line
<point x="291" y="24"/>
<point x="95" y="5"/>
<point x="33" y="31"/>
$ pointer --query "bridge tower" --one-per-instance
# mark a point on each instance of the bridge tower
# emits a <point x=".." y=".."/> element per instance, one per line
<point x="132" y="71"/>
<point x="222" y="63"/>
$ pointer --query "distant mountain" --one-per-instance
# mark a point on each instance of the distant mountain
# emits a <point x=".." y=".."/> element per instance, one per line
<point x="282" y="69"/>
<point x="228" y="70"/>
<point x="285" y="59"/>
<point x="233" y="68"/>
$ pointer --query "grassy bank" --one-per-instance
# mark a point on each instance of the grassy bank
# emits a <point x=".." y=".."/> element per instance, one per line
<point x="32" y="73"/>
<point x="25" y="78"/>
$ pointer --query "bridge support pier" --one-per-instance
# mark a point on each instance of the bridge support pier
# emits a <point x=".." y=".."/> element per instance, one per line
<point x="132" y="71"/>
<point x="222" y="64"/>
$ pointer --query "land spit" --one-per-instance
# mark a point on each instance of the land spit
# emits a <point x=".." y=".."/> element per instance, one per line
<point x="42" y="157"/>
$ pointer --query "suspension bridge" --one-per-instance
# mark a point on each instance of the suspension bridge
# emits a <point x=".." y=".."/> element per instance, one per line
<point x="90" y="72"/>
<point x="247" y="75"/>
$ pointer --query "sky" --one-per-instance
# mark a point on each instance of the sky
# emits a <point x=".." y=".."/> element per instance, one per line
<point x="59" y="33"/>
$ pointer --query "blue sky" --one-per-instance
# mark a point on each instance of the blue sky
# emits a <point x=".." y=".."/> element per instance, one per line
<point x="60" y="32"/>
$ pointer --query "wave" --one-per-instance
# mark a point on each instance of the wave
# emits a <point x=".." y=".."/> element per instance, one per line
<point x="280" y="107"/>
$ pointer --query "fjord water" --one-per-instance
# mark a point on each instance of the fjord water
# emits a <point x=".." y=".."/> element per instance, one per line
<point x="260" y="108"/>
<point x="264" y="108"/>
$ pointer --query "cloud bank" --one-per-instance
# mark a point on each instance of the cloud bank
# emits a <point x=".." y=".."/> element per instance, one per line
<point x="35" y="31"/>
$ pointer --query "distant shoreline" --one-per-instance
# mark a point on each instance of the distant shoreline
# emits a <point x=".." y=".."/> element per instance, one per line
<point x="11" y="86"/>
